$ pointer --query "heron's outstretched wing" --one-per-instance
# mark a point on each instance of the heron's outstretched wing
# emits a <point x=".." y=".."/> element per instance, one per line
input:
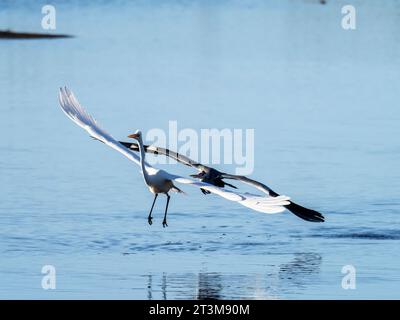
<point x="258" y="185"/>
<point x="296" y="209"/>
<point x="263" y="204"/>
<point x="72" y="108"/>
<point x="166" y="152"/>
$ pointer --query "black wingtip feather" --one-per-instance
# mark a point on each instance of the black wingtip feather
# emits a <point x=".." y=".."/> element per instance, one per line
<point x="304" y="213"/>
<point x="230" y="185"/>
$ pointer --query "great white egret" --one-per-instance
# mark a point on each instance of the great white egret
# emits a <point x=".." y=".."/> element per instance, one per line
<point x="160" y="181"/>
<point x="215" y="177"/>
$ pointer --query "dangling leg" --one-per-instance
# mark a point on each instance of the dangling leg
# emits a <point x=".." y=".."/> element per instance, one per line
<point x="150" y="218"/>
<point x="164" y="223"/>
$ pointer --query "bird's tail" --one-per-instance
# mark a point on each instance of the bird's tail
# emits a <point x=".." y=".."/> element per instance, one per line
<point x="304" y="213"/>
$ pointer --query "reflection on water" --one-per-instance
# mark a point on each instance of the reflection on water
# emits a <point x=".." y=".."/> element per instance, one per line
<point x="149" y="287"/>
<point x="294" y="275"/>
<point x="303" y="263"/>
<point x="300" y="271"/>
<point x="164" y="286"/>
<point x="359" y="233"/>
<point x="209" y="286"/>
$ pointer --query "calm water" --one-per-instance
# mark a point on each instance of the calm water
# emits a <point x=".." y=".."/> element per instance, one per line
<point x="324" y="104"/>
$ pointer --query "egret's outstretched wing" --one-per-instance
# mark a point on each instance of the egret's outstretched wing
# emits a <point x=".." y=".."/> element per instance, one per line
<point x="259" y="203"/>
<point x="72" y="108"/>
<point x="258" y="185"/>
<point x="166" y="152"/>
<point x="296" y="209"/>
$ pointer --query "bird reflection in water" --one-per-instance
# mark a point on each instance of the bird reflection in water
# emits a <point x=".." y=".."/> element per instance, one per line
<point x="164" y="286"/>
<point x="301" y="271"/>
<point x="150" y="289"/>
<point x="209" y="286"/>
<point x="292" y="276"/>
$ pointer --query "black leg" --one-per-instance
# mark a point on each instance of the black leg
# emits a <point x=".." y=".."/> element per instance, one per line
<point x="150" y="218"/>
<point x="164" y="223"/>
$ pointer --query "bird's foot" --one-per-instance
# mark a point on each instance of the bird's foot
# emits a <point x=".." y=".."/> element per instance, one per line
<point x="164" y="223"/>
<point x="150" y="220"/>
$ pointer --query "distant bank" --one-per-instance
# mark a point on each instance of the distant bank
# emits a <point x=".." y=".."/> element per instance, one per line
<point x="8" y="34"/>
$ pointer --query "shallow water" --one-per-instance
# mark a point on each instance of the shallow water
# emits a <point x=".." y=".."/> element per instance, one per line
<point x="324" y="106"/>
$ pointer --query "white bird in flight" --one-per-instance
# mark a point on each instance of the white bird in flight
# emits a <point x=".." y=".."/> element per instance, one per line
<point x="160" y="181"/>
<point x="216" y="178"/>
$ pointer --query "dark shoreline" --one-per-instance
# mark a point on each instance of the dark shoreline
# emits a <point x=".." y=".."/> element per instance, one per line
<point x="8" y="34"/>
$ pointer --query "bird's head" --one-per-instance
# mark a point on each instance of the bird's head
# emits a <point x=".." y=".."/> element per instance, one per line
<point x="137" y="135"/>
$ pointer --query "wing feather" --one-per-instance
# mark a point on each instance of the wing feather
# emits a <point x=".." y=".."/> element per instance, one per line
<point x="166" y="152"/>
<point x="72" y="108"/>
<point x="259" y="203"/>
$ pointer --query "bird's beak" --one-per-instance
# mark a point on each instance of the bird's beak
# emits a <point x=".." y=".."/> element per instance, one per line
<point x="133" y="136"/>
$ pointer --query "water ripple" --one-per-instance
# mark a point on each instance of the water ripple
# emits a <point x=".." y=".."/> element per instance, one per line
<point x="367" y="234"/>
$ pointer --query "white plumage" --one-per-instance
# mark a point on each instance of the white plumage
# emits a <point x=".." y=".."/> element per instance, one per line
<point x="160" y="181"/>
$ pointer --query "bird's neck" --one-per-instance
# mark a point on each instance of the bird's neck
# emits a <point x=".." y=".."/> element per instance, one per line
<point x="142" y="159"/>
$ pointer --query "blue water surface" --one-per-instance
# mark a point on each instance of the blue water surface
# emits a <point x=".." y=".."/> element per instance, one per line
<point x="324" y="104"/>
